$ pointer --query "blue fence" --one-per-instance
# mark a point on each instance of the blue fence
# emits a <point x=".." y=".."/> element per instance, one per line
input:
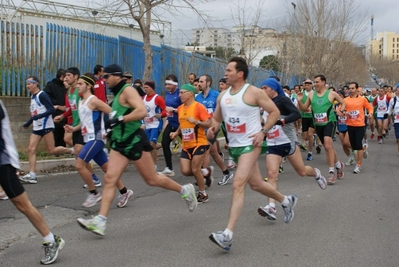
<point x="34" y="50"/>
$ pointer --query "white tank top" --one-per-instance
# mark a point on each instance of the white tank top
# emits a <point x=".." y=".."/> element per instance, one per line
<point x="92" y="122"/>
<point x="241" y="119"/>
<point x="382" y="106"/>
<point x="36" y="108"/>
<point x="395" y="110"/>
<point x="8" y="155"/>
<point x="150" y="121"/>
<point x="276" y="135"/>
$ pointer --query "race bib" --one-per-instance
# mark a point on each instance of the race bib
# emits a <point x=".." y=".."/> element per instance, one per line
<point x="149" y="119"/>
<point x="382" y="108"/>
<point x="34" y="112"/>
<point x="341" y="119"/>
<point x="397" y="117"/>
<point x="84" y="130"/>
<point x="274" y="132"/>
<point x="188" y="134"/>
<point x="210" y="111"/>
<point x="72" y="104"/>
<point x="354" y="114"/>
<point x="235" y="125"/>
<point x="320" y="117"/>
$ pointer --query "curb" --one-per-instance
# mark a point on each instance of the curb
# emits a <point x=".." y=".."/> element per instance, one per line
<point x="45" y="165"/>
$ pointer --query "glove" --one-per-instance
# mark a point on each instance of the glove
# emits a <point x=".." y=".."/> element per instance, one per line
<point x="28" y="123"/>
<point x="280" y="122"/>
<point x="111" y="123"/>
<point x="386" y="116"/>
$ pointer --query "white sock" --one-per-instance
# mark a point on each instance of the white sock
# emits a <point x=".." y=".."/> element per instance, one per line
<point x="102" y="218"/>
<point x="49" y="238"/>
<point x="331" y="169"/>
<point x="33" y="174"/>
<point x="272" y="204"/>
<point x="183" y="191"/>
<point x="228" y="233"/>
<point x="338" y="165"/>
<point x="285" y="202"/>
<point x="205" y="172"/>
<point x="203" y="192"/>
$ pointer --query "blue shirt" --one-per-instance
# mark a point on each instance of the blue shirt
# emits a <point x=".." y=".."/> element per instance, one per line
<point x="209" y="101"/>
<point x="173" y="100"/>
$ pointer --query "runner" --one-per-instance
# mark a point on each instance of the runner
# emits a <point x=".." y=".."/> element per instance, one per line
<point x="41" y="110"/>
<point x="13" y="188"/>
<point x="321" y="101"/>
<point x="394" y="111"/>
<point x="172" y="101"/>
<point x="307" y="121"/>
<point x="281" y="141"/>
<point x="193" y="120"/>
<point x="239" y="106"/>
<point x="129" y="143"/>
<point x="208" y="98"/>
<point x="355" y="106"/>
<point x="343" y="132"/>
<point x="371" y="98"/>
<point x="153" y="122"/>
<point x="381" y="103"/>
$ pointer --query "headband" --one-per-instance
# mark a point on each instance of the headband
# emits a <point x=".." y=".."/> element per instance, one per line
<point x="171" y="82"/>
<point x="31" y="81"/>
<point x="87" y="80"/>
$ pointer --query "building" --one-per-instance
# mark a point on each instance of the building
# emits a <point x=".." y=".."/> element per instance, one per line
<point x="385" y="45"/>
<point x="200" y="50"/>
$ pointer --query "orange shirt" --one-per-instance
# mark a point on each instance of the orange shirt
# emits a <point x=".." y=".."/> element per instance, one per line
<point x="192" y="135"/>
<point x="355" y="110"/>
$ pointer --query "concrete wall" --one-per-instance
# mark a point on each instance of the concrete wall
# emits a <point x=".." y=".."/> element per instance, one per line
<point x="18" y="110"/>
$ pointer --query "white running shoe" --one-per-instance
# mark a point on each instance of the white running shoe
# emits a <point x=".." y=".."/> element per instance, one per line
<point x="350" y="161"/>
<point x="28" y="178"/>
<point x="268" y="211"/>
<point x="357" y="169"/>
<point x="167" y="172"/>
<point x="95" y="225"/>
<point x="231" y="164"/>
<point x="123" y="199"/>
<point x="190" y="198"/>
<point x="320" y="179"/>
<point x="92" y="200"/>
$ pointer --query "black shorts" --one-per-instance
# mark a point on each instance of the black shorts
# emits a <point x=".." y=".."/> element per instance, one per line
<point x="42" y="132"/>
<point x="133" y="146"/>
<point x="356" y="135"/>
<point x="306" y="124"/>
<point x="282" y="150"/>
<point x="189" y="153"/>
<point x="10" y="182"/>
<point x="77" y="138"/>
<point x="326" y="130"/>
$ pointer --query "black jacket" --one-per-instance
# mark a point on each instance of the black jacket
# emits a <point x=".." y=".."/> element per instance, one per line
<point x="56" y="90"/>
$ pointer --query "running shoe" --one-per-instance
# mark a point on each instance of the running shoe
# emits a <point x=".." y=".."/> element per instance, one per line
<point x="365" y="152"/>
<point x="123" y="198"/>
<point x="167" y="172"/>
<point x="289" y="210"/>
<point x="92" y="200"/>
<point x="334" y="138"/>
<point x="280" y="169"/>
<point x="222" y="240"/>
<point x="176" y="147"/>
<point x="51" y="250"/>
<point x="190" y="198"/>
<point x="201" y="198"/>
<point x="97" y="183"/>
<point x="209" y="178"/>
<point x="94" y="225"/>
<point x="226" y="178"/>
<point x="231" y="164"/>
<point x="3" y="196"/>
<point x="309" y="157"/>
<point x="28" y="178"/>
<point x="357" y="169"/>
<point x="340" y="171"/>
<point x="303" y="147"/>
<point x="350" y="161"/>
<point x="318" y="149"/>
<point x="314" y="140"/>
<point x="372" y="136"/>
<point x="320" y="179"/>
<point x="268" y="211"/>
<point x="330" y="178"/>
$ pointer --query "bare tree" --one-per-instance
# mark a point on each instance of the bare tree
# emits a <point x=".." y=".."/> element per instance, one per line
<point x="386" y="69"/>
<point x="320" y="36"/>
<point x="143" y="12"/>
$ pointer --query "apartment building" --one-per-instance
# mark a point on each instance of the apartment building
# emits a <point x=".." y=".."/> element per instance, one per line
<point x="385" y="45"/>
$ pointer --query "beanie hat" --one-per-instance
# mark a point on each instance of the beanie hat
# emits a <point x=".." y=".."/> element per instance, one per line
<point x="188" y="87"/>
<point x="114" y="69"/>
<point x="150" y="84"/>
<point x="223" y="80"/>
<point x="138" y="81"/>
<point x="274" y="85"/>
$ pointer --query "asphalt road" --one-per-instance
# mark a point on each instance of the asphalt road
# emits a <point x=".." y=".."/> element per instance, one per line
<point x="352" y="223"/>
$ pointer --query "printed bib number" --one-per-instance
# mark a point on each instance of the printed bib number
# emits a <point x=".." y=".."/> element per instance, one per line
<point x="149" y="119"/>
<point x="235" y="125"/>
<point x="382" y="108"/>
<point x="210" y="111"/>
<point x="188" y="134"/>
<point x="273" y="133"/>
<point x="320" y="117"/>
<point x="342" y="119"/>
<point x="72" y="103"/>
<point x="354" y="114"/>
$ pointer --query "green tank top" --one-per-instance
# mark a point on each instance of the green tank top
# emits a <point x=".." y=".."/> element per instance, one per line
<point x="303" y="113"/>
<point x="322" y="109"/>
<point x="122" y="131"/>
<point x="73" y="98"/>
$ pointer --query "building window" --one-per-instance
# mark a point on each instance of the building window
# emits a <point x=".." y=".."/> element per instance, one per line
<point x="393" y="51"/>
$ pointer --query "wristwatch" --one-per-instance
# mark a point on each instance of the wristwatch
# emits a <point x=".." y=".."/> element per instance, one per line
<point x="264" y="131"/>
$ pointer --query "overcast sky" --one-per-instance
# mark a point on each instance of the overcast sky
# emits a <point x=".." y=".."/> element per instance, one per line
<point x="385" y="15"/>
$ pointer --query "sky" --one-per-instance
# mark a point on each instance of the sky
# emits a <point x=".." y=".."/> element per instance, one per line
<point x="385" y="13"/>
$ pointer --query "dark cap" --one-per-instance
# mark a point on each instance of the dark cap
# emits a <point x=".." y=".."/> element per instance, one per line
<point x="127" y="75"/>
<point x="150" y="84"/>
<point x="138" y="81"/>
<point x="223" y="80"/>
<point x="114" y="69"/>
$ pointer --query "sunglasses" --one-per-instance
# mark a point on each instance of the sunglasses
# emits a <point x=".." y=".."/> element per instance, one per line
<point x="106" y="76"/>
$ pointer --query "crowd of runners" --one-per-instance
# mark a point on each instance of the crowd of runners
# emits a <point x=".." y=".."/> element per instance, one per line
<point x="73" y="116"/>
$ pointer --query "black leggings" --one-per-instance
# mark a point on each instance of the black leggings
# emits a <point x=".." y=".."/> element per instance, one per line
<point x="166" y="145"/>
